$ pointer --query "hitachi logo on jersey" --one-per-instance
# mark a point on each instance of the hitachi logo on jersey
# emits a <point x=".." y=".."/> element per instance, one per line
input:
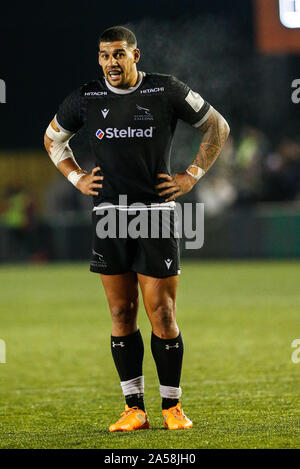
<point x="152" y="90"/>
<point x="95" y="93"/>
<point x="113" y="132"/>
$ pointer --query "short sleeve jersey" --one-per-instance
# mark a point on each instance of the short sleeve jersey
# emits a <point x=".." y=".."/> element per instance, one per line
<point x="131" y="131"/>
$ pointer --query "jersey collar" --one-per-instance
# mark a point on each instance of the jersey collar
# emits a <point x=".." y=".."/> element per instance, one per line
<point x="129" y="90"/>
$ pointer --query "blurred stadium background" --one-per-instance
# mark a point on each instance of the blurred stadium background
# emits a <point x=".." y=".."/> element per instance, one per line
<point x="59" y="388"/>
<point x="237" y="54"/>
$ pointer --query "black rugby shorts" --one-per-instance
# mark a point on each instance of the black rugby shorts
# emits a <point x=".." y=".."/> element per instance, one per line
<point x="143" y="241"/>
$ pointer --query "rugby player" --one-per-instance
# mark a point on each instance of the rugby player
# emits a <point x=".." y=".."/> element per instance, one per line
<point x="131" y="117"/>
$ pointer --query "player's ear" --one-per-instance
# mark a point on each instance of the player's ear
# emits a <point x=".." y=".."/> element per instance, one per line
<point x="136" y="55"/>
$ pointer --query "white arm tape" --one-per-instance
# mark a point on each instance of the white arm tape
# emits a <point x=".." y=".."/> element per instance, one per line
<point x="195" y="172"/>
<point x="59" y="149"/>
<point x="74" y="177"/>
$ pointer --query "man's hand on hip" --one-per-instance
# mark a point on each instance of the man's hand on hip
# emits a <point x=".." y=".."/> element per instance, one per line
<point x="176" y="185"/>
<point x="88" y="183"/>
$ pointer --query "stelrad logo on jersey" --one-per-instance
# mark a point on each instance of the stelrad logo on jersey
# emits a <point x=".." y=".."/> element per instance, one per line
<point x="129" y="132"/>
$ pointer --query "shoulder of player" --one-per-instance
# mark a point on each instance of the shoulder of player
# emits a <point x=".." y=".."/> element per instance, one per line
<point x="160" y="78"/>
<point x="92" y="88"/>
<point x="170" y="83"/>
<point x="84" y="90"/>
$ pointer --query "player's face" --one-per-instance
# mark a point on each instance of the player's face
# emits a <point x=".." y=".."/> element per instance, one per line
<point x="118" y="62"/>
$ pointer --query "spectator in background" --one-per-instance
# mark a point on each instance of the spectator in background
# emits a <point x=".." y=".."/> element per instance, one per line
<point x="60" y="200"/>
<point x="17" y="217"/>
<point x="217" y="191"/>
<point x="238" y="179"/>
<point x="282" y="172"/>
<point x="250" y="153"/>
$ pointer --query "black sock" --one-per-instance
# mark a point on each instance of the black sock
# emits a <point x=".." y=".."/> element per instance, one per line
<point x="168" y="354"/>
<point x="128" y="354"/>
<point x="167" y="403"/>
<point x="135" y="400"/>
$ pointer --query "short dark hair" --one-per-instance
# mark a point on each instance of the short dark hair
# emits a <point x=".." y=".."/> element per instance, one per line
<point x="118" y="33"/>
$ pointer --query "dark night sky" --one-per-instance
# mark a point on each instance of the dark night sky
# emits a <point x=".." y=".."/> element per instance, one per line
<point x="49" y="49"/>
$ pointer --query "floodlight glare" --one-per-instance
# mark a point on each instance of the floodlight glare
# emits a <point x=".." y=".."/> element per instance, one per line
<point x="289" y="13"/>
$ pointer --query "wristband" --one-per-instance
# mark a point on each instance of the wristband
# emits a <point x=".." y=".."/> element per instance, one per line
<point x="75" y="175"/>
<point x="195" y="172"/>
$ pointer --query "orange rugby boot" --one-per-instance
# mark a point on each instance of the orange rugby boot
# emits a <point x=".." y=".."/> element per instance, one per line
<point x="174" y="418"/>
<point x="132" y="419"/>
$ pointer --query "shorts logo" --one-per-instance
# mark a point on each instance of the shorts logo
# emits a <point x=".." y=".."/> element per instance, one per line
<point x="100" y="262"/>
<point x="95" y="253"/>
<point x="100" y="134"/>
<point x="168" y="263"/>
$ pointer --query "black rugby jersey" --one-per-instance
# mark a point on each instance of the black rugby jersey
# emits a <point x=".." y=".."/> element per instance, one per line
<point x="131" y="131"/>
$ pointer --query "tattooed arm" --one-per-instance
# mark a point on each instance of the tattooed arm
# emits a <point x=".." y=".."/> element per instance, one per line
<point x="216" y="131"/>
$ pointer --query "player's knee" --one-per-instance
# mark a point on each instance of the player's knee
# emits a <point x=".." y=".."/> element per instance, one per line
<point x="164" y="318"/>
<point x="123" y="312"/>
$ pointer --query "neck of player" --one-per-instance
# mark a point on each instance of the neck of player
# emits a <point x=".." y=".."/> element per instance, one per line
<point x="132" y="81"/>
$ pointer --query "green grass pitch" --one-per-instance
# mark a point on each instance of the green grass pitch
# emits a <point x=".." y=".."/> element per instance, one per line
<point x="59" y="388"/>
